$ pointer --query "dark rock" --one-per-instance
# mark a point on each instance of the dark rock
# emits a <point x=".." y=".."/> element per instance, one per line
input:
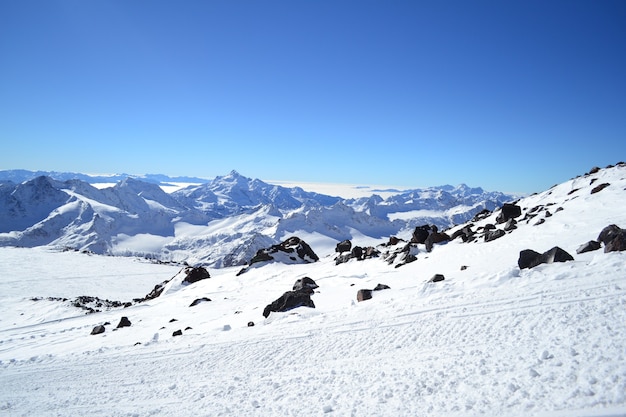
<point x="489" y="226"/>
<point x="588" y="247"/>
<point x="435" y="237"/>
<point x="528" y="258"/>
<point x="594" y="170"/>
<point x="156" y="291"/>
<point x="599" y="188"/>
<point x="177" y="333"/>
<point x="293" y="245"/>
<point x="494" y="234"/>
<point x="508" y="211"/>
<point x="408" y="258"/>
<point x="609" y="233"/>
<point x="357" y="253"/>
<point x="98" y="329"/>
<point x="483" y="214"/>
<point x="540" y="221"/>
<point x="198" y="301"/>
<point x="556" y="254"/>
<point x="618" y="243"/>
<point x="420" y="234"/>
<point x="289" y="301"/>
<point x="344" y="246"/>
<point x="305" y="284"/>
<point x="173" y="320"/>
<point x="380" y="287"/>
<point x="370" y="252"/>
<point x="511" y="224"/>
<point x="394" y="241"/>
<point x="188" y="328"/>
<point x="436" y="278"/>
<point x="466" y="233"/>
<point x="464" y="267"/>
<point x="124" y="322"/>
<point x="343" y="258"/>
<point x="363" y="295"/>
<point x="195" y="274"/>
<point x="250" y="324"/>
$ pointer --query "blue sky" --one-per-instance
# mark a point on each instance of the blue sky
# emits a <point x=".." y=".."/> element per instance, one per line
<point x="507" y="95"/>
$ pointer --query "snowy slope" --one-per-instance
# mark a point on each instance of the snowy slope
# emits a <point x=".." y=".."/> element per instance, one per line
<point x="490" y="339"/>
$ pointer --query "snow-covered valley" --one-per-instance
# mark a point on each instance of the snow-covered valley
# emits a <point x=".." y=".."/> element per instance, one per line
<point x="491" y="338"/>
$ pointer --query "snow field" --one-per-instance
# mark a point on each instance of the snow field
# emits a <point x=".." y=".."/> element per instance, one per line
<point x="489" y="340"/>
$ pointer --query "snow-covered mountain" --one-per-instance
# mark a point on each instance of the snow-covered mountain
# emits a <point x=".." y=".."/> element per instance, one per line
<point x="220" y="223"/>
<point x="493" y="321"/>
<point x="22" y="175"/>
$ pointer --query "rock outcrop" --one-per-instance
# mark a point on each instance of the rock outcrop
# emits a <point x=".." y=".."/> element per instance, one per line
<point x="300" y="296"/>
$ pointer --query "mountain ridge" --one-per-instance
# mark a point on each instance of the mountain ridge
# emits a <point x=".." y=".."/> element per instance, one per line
<point x="136" y="217"/>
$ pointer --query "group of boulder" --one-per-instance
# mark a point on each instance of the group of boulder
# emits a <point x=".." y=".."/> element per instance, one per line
<point x="347" y="252"/>
<point x="291" y="250"/>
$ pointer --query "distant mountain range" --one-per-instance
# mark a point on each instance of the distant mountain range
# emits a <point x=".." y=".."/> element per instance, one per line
<point x="220" y="222"/>
<point x="21" y="175"/>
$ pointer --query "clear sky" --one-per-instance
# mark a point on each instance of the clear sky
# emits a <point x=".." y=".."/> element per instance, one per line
<point x="507" y="95"/>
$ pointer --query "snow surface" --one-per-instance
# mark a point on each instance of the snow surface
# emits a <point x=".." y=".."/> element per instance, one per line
<point x="490" y="339"/>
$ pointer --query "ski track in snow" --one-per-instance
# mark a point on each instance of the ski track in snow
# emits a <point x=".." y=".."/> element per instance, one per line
<point x="473" y="356"/>
<point x="491" y="340"/>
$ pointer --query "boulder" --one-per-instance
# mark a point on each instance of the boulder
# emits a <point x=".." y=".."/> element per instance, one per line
<point x="124" y="322"/>
<point x="494" y="234"/>
<point x="529" y="258"/>
<point x="292" y="251"/>
<point x="466" y="233"/>
<point x="508" y="211"/>
<point x="363" y="295"/>
<point x="357" y="253"/>
<point x="511" y="224"/>
<point x="98" y="329"/>
<point x="435" y="237"/>
<point x="198" y="301"/>
<point x="599" y="188"/>
<point x="289" y="301"/>
<point x="609" y="233"/>
<point x="343" y="258"/>
<point x="380" y="287"/>
<point x="344" y="246"/>
<point x="299" y="297"/>
<point x="618" y="243"/>
<point x="305" y="284"/>
<point x="370" y="252"/>
<point x="420" y="234"/>
<point x="437" y="278"/>
<point x="556" y="254"/>
<point x="588" y="247"/>
<point x="483" y="214"/>
<point x="195" y="274"/>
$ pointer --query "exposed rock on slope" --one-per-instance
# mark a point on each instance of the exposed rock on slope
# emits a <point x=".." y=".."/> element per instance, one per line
<point x="292" y="251"/>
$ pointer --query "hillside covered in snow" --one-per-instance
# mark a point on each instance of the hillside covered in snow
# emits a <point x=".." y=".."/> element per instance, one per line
<point x="520" y="311"/>
<point x="223" y="222"/>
